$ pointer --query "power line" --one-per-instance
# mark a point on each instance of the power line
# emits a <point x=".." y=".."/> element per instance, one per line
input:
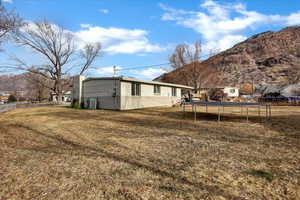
<point x="115" y="69"/>
<point x="139" y="67"/>
<point x="155" y="65"/>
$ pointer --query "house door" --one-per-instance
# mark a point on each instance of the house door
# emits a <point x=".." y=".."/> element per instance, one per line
<point x="93" y="103"/>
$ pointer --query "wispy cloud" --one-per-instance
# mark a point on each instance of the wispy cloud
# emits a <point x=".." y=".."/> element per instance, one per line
<point x="151" y="73"/>
<point x="113" y="40"/>
<point x="118" y="40"/>
<point x="223" y="25"/>
<point x="104" y="11"/>
<point x="7" y="1"/>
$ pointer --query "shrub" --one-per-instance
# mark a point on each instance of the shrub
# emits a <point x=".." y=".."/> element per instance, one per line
<point x="76" y="105"/>
<point x="12" y="98"/>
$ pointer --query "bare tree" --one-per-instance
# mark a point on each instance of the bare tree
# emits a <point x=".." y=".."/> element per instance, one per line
<point x="9" y="22"/>
<point x="185" y="55"/>
<point x="89" y="53"/>
<point x="57" y="46"/>
<point x="38" y="85"/>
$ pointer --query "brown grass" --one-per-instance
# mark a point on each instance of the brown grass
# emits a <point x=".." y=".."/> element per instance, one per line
<point x="62" y="153"/>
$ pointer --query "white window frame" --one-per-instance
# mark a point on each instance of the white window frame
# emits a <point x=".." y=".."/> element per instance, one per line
<point x="157" y="89"/>
<point x="174" y="92"/>
<point x="135" y="89"/>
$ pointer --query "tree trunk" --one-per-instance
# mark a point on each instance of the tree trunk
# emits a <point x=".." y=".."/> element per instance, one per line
<point x="58" y="86"/>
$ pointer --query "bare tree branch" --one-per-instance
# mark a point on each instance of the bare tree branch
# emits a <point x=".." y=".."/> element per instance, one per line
<point x="9" y="22"/>
<point x="57" y="46"/>
<point x="185" y="56"/>
<point x="89" y="54"/>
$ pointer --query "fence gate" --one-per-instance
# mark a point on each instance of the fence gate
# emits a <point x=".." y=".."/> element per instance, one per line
<point x="93" y="103"/>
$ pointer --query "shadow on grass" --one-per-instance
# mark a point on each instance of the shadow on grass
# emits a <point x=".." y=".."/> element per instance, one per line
<point x="262" y="174"/>
<point x="287" y="126"/>
<point x="67" y="147"/>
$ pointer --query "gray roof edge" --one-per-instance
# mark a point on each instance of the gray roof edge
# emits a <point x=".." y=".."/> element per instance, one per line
<point x="122" y="78"/>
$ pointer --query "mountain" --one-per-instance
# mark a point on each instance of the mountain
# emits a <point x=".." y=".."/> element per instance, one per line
<point x="269" y="58"/>
<point x="20" y="82"/>
<point x="13" y="82"/>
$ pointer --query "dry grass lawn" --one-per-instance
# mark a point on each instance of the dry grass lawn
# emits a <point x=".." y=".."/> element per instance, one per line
<point x="63" y="153"/>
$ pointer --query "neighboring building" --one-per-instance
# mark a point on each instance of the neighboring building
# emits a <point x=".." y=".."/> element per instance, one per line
<point x="291" y="90"/>
<point x="4" y="97"/>
<point x="124" y="93"/>
<point x="269" y="90"/>
<point x="231" y="91"/>
<point x="19" y="94"/>
<point x="66" y="97"/>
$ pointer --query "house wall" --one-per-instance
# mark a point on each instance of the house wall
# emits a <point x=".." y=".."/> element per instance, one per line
<point x="77" y="88"/>
<point x="103" y="91"/>
<point x="147" y="97"/>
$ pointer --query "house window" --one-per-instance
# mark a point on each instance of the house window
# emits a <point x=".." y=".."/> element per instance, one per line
<point x="232" y="91"/>
<point x="174" y="92"/>
<point x="157" y="89"/>
<point x="135" y="89"/>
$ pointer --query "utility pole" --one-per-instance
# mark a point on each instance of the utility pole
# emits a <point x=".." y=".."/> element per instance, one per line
<point x="252" y="86"/>
<point x="115" y="71"/>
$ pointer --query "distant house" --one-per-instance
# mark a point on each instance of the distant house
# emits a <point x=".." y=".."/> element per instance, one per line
<point x="4" y="97"/>
<point x="230" y="92"/>
<point x="66" y="97"/>
<point x="269" y="90"/>
<point x="291" y="90"/>
<point x="124" y="93"/>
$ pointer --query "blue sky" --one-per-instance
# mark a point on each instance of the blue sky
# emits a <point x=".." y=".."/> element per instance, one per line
<point x="141" y="33"/>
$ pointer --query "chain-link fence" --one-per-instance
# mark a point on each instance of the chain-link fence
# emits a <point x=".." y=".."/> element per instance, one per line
<point x="7" y="107"/>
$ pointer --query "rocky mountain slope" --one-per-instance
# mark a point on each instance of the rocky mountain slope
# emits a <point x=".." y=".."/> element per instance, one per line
<point x="271" y="58"/>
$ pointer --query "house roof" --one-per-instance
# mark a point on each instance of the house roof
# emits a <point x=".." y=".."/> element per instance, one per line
<point x="269" y="89"/>
<point x="130" y="79"/>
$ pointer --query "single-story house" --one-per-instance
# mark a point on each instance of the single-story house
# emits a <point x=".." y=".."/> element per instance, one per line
<point x="124" y="93"/>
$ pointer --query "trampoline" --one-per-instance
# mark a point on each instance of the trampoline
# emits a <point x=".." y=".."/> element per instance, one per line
<point x="244" y="108"/>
